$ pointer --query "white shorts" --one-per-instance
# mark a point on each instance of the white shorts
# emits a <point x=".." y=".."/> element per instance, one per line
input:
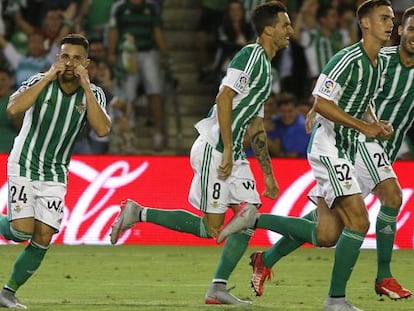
<point x="209" y="193"/>
<point x="372" y="166"/>
<point x="336" y="177"/>
<point x="41" y="200"/>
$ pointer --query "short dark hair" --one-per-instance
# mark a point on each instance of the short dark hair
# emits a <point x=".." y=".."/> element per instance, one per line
<point x="76" y="39"/>
<point x="407" y="14"/>
<point x="265" y="14"/>
<point x="366" y="7"/>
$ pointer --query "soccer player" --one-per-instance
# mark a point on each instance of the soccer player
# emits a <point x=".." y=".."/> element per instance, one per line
<point x="222" y="175"/>
<point x="342" y="96"/>
<point x="56" y="105"/>
<point x="394" y="102"/>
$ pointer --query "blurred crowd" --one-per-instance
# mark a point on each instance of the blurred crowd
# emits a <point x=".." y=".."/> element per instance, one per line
<point x="321" y="28"/>
<point x="129" y="58"/>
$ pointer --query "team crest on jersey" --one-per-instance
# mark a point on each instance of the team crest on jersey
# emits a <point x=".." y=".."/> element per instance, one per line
<point x="241" y="82"/>
<point x="80" y="107"/>
<point x="386" y="169"/>
<point x="347" y="185"/>
<point x="327" y="87"/>
<point x="214" y="204"/>
<point x="17" y="208"/>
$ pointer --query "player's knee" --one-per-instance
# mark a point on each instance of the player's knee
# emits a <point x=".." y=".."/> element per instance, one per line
<point x="360" y="224"/>
<point x="327" y="239"/>
<point x="18" y="235"/>
<point x="393" y="199"/>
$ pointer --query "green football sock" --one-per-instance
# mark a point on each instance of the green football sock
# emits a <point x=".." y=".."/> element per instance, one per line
<point x="285" y="245"/>
<point x="233" y="250"/>
<point x="178" y="220"/>
<point x="386" y="228"/>
<point x="346" y="255"/>
<point x="26" y="264"/>
<point x="11" y="234"/>
<point x="299" y="229"/>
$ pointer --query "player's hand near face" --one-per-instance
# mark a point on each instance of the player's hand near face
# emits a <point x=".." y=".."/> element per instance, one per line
<point x="54" y="70"/>
<point x="82" y="74"/>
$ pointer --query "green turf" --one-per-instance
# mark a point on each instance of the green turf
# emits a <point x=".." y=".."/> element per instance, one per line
<point x="84" y="278"/>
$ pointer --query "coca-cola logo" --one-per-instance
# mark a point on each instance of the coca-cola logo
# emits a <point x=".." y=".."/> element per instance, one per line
<point x="98" y="184"/>
<point x="289" y="199"/>
<point x="94" y="205"/>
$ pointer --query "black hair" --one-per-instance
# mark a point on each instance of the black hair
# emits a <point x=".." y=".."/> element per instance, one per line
<point x="407" y="14"/>
<point x="366" y="7"/>
<point x="76" y="39"/>
<point x="265" y="14"/>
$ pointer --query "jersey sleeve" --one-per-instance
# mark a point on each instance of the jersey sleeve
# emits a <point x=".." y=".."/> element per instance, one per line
<point x="28" y="83"/>
<point x="333" y="78"/>
<point x="236" y="80"/>
<point x="243" y="68"/>
<point x="99" y="95"/>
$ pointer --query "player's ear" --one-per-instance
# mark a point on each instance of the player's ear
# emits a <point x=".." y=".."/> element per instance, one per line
<point x="268" y="30"/>
<point x="400" y="30"/>
<point x="87" y="61"/>
<point x="364" y="22"/>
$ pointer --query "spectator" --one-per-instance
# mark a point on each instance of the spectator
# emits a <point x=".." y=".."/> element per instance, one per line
<point x="322" y="41"/>
<point x="9" y="128"/>
<point x="290" y="128"/>
<point x="122" y="138"/>
<point x="348" y="26"/>
<point x="292" y="68"/>
<point x="93" y="17"/>
<point x="211" y="16"/>
<point x="25" y="66"/>
<point x="55" y="24"/>
<point x="144" y="25"/>
<point x="97" y="49"/>
<point x="234" y="32"/>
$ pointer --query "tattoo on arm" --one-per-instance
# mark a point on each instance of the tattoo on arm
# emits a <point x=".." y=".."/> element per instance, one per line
<point x="259" y="146"/>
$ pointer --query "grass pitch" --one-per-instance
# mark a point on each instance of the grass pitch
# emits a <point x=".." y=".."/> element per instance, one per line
<point x="83" y="278"/>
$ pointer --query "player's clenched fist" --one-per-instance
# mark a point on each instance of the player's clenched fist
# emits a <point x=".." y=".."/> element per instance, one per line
<point x="54" y="70"/>
<point x="82" y="74"/>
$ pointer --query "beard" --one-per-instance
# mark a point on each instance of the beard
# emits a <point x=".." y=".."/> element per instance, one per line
<point x="69" y="78"/>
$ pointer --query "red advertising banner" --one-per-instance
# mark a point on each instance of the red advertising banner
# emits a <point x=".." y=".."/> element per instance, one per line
<point x="97" y="184"/>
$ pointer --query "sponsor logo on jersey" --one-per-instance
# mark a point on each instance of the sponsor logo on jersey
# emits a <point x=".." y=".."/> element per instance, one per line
<point x="327" y="87"/>
<point x="241" y="82"/>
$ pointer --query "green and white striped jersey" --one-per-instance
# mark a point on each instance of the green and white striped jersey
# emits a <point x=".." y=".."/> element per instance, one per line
<point x="395" y="100"/>
<point x="350" y="80"/>
<point x="248" y="74"/>
<point x="43" y="148"/>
